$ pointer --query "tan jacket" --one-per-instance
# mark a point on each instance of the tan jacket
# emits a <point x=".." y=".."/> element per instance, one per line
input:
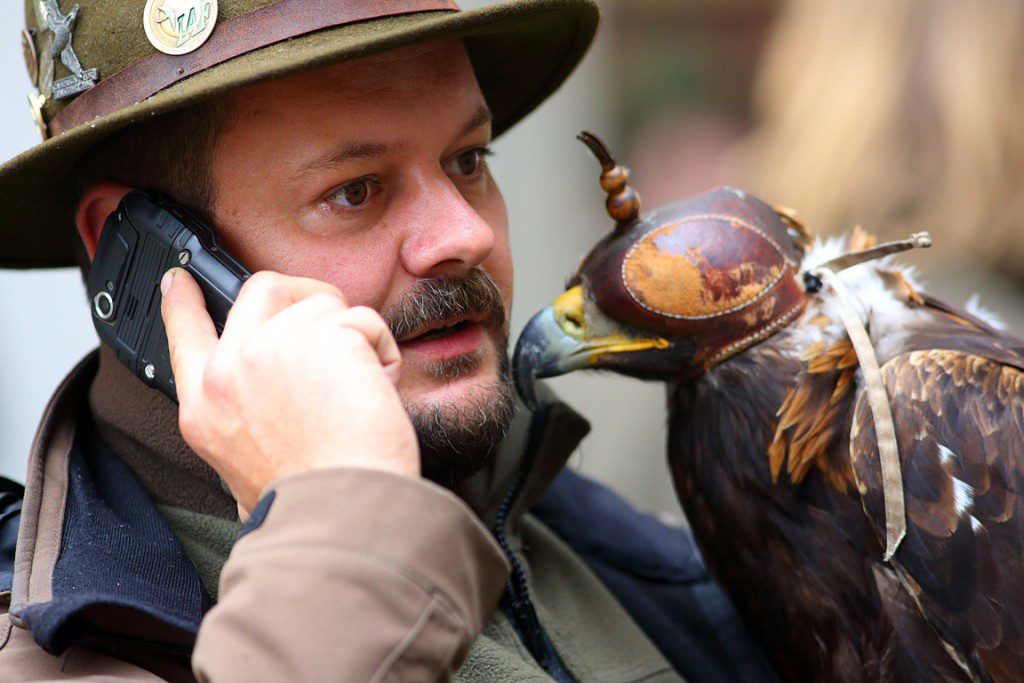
<point x="369" y="605"/>
<point x="322" y="586"/>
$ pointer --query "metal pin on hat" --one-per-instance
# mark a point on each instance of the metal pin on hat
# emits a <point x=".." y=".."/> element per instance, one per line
<point x="177" y="27"/>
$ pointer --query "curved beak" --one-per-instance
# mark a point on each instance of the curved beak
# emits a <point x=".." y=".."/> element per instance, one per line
<point x="555" y="342"/>
<point x="544" y="350"/>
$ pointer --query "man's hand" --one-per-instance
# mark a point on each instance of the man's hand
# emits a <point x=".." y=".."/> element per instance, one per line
<point x="298" y="381"/>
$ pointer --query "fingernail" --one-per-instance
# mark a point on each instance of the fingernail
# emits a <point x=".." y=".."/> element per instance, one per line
<point x="166" y="280"/>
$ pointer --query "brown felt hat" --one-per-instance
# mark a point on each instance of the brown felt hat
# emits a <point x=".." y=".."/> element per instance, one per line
<point x="521" y="51"/>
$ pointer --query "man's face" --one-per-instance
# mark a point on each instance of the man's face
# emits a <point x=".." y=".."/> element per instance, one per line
<point x="371" y="175"/>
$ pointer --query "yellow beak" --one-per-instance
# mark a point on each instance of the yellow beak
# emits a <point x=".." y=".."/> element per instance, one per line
<point x="555" y="342"/>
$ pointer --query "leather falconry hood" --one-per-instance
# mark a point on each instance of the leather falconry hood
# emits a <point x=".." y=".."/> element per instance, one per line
<point x="720" y="270"/>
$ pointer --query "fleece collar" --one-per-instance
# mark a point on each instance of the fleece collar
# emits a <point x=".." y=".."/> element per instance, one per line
<point x="140" y="425"/>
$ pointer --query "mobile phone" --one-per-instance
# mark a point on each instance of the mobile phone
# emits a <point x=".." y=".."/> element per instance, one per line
<point x="146" y="236"/>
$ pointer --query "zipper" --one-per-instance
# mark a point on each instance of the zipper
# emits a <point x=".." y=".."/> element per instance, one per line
<point x="515" y="601"/>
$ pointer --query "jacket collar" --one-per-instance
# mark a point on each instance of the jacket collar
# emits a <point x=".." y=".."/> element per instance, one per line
<point x="96" y="560"/>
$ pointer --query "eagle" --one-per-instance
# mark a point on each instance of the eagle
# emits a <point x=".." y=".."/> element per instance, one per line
<point x="774" y="443"/>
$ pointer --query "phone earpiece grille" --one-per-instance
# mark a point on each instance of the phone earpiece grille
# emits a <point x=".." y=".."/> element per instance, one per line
<point x="133" y="316"/>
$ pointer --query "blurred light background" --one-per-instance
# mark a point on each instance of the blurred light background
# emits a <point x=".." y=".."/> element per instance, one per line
<point x="901" y="115"/>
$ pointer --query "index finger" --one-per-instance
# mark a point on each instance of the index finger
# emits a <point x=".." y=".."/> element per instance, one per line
<point x="191" y="335"/>
<point x="264" y="295"/>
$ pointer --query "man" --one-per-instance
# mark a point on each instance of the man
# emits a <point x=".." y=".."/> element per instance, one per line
<point x="350" y="413"/>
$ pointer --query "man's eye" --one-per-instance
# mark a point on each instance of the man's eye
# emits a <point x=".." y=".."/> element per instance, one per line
<point x="355" y="193"/>
<point x="469" y="163"/>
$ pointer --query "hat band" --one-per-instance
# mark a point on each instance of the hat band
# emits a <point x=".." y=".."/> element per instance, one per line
<point x="259" y="28"/>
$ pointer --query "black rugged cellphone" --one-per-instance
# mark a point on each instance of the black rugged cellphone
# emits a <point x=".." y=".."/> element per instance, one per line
<point x="146" y="236"/>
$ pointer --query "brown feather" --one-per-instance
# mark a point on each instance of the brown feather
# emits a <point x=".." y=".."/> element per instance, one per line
<point x="796" y="407"/>
<point x="960" y="423"/>
<point x="806" y="429"/>
<point x="814" y="350"/>
<point x="777" y="454"/>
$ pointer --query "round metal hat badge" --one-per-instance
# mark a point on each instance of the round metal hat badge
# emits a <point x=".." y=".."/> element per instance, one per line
<point x="178" y="27"/>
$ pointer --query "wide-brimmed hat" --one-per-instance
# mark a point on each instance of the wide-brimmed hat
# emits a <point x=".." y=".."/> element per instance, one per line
<point x="98" y="69"/>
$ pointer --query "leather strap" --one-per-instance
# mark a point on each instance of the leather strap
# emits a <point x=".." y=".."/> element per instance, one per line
<point x="881" y="412"/>
<point x="878" y="397"/>
<point x="253" y="30"/>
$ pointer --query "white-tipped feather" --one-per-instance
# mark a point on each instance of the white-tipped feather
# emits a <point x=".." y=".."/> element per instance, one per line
<point x="963" y="496"/>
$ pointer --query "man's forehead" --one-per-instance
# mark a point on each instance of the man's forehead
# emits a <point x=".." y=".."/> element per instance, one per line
<point x="370" y="107"/>
<point x="368" y="148"/>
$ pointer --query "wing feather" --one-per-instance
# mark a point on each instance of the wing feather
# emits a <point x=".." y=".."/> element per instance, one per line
<point x="960" y="428"/>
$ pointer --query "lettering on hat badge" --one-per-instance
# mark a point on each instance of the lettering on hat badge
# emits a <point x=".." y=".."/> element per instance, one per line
<point x="178" y="27"/>
<point x="62" y="26"/>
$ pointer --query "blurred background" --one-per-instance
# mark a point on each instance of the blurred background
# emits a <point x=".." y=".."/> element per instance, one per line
<point x="901" y="116"/>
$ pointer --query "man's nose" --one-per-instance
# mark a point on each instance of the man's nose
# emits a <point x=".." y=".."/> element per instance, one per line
<point x="447" y="235"/>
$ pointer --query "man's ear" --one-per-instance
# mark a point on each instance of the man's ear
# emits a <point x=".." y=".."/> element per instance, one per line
<point x="98" y="202"/>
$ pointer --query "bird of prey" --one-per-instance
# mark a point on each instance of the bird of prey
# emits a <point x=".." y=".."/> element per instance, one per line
<point x="772" y="438"/>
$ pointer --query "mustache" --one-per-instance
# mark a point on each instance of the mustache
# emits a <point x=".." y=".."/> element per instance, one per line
<point x="440" y="299"/>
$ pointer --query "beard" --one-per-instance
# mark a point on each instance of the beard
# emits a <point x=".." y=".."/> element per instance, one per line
<point x="458" y="437"/>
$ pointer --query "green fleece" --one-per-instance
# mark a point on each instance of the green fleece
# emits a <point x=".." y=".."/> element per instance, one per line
<point x="207" y="541"/>
<point x="595" y="637"/>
